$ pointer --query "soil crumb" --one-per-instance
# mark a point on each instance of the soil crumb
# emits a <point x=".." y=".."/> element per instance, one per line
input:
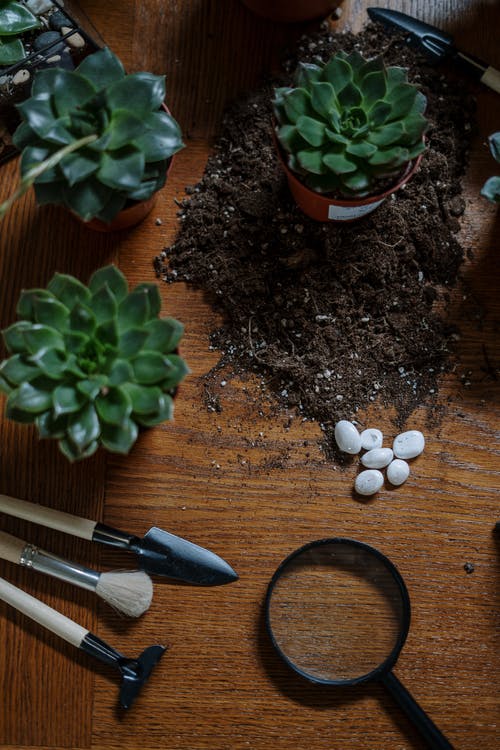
<point x="334" y="317"/>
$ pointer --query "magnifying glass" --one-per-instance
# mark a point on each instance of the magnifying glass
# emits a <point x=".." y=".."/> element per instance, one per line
<point x="338" y="613"/>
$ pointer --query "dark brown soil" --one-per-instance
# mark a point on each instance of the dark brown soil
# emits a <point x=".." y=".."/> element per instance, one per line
<point x="334" y="316"/>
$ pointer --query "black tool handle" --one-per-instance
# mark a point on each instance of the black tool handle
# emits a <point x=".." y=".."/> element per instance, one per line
<point x="429" y="731"/>
<point x="112" y="537"/>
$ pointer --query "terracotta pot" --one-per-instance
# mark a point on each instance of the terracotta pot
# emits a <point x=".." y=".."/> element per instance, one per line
<point x="128" y="217"/>
<point x="291" y="11"/>
<point x="321" y="207"/>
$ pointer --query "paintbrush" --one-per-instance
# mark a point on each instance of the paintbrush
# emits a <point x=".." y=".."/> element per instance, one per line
<point x="134" y="672"/>
<point x="129" y="591"/>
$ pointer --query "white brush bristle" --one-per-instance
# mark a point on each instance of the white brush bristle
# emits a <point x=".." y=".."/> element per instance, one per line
<point x="129" y="591"/>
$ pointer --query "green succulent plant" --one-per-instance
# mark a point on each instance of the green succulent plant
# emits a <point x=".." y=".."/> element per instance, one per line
<point x="15" y="19"/>
<point x="91" y="364"/>
<point x="94" y="138"/>
<point x="491" y="188"/>
<point x="350" y="124"/>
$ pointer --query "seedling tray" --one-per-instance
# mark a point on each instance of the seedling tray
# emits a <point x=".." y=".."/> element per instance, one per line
<point x="64" y="38"/>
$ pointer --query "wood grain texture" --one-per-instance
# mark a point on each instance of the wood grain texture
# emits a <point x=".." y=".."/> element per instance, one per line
<point x="250" y="482"/>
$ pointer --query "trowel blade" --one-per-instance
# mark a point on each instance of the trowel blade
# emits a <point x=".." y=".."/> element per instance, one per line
<point x="164" y="554"/>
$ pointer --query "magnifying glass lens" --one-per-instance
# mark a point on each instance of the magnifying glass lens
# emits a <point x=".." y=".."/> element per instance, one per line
<point x="336" y="611"/>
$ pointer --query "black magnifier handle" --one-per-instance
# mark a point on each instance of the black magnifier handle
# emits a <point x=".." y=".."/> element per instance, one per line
<point x="429" y="731"/>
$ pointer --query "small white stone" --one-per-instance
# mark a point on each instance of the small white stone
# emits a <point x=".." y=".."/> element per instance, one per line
<point x="398" y="472"/>
<point x="347" y="437"/>
<point x="377" y="458"/>
<point x="76" y="40"/>
<point x="409" y="444"/>
<point x="22" y="76"/>
<point x="369" y="482"/>
<point x="371" y="438"/>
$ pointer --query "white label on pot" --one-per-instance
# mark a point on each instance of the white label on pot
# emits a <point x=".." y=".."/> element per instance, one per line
<point x="344" y="213"/>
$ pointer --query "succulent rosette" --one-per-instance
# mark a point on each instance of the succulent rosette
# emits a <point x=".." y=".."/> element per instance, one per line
<point x="350" y="125"/>
<point x="491" y="188"/>
<point x="89" y="365"/>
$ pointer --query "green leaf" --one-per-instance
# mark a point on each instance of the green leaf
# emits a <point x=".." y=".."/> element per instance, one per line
<point x="37" y="112"/>
<point x="139" y="92"/>
<point x="337" y="72"/>
<point x="113" y="406"/>
<point x="307" y="74"/>
<point x="122" y="169"/>
<point x="75" y="341"/>
<point x="5" y="387"/>
<point x="103" y="304"/>
<point x="177" y="371"/>
<point x="68" y="90"/>
<point x="134" y="310"/>
<point x="388" y="135"/>
<point x="164" y="334"/>
<point x="67" y="400"/>
<point x="391" y="157"/>
<point x="373" y="87"/>
<point x="336" y="137"/>
<point x="87" y="198"/>
<point x="107" y="333"/>
<point x="297" y="103"/>
<point x="494" y="143"/>
<point x="144" y="399"/>
<point x="152" y="292"/>
<point x="338" y="163"/>
<point x="82" y="319"/>
<point x="362" y="150"/>
<point x="52" y="194"/>
<point x="323" y="98"/>
<point x="50" y="362"/>
<point x="161" y="137"/>
<point x="78" y="166"/>
<point x="32" y="156"/>
<point x="312" y="161"/>
<point x="311" y="130"/>
<point x="149" y="367"/>
<point x="114" y="279"/>
<point x="491" y="189"/>
<point x="68" y="290"/>
<point x="371" y="66"/>
<point x="123" y="128"/>
<point x="114" y="205"/>
<point x="39" y="337"/>
<point x="131" y="342"/>
<point x="18" y="415"/>
<point x="83" y="427"/>
<point x="15" y="18"/>
<point x="73" y="453"/>
<point x="102" y="68"/>
<point x="119" y="439"/>
<point x="350" y="96"/>
<point x="401" y="99"/>
<point x="414" y="127"/>
<point x="49" y="311"/>
<point x="120" y="372"/>
<point x="357" y="181"/>
<point x="379" y="113"/>
<point x="49" y="427"/>
<point x="91" y="387"/>
<point x="290" y="138"/>
<point x="23" y="136"/>
<point x="30" y="399"/>
<point x="395" y="76"/>
<point x="13" y="338"/>
<point x="17" y="370"/>
<point x="324" y="183"/>
<point x="11" y="51"/>
<point x="164" y="413"/>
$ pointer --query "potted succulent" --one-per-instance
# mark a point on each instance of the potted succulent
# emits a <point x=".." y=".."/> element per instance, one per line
<point x="35" y="34"/>
<point x="97" y="141"/>
<point x="92" y="364"/>
<point x="491" y="188"/>
<point x="349" y="133"/>
<point x="291" y="11"/>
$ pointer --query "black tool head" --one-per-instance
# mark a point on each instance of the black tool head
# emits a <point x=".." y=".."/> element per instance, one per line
<point x="164" y="554"/>
<point x="135" y="672"/>
<point x="435" y="41"/>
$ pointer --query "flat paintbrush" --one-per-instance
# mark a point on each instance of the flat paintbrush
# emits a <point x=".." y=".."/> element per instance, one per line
<point x="129" y="591"/>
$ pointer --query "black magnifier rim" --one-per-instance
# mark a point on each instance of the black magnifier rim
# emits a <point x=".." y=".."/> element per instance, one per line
<point x="389" y="662"/>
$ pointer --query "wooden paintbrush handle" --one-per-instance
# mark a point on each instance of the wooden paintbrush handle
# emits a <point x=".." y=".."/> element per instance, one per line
<point x="11" y="548"/>
<point x="54" y="519"/>
<point x="42" y="614"/>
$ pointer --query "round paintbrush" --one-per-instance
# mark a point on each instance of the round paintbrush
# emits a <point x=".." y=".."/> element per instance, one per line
<point x="128" y="591"/>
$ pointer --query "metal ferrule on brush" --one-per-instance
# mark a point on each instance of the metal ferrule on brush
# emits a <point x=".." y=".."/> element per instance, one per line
<point x="44" y="562"/>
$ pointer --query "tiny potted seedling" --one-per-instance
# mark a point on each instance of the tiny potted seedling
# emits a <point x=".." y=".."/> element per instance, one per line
<point x="350" y="132"/>
<point x="90" y="365"/>
<point x="96" y="141"/>
<point x="491" y="188"/>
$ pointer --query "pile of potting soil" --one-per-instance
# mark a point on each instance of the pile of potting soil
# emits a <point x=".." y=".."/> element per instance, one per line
<point x="333" y="316"/>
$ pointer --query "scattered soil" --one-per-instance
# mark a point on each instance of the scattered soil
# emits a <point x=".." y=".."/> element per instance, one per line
<point x="333" y="316"/>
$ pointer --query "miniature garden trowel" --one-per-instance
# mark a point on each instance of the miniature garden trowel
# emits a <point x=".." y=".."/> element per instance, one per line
<point x="158" y="552"/>
<point x="134" y="672"/>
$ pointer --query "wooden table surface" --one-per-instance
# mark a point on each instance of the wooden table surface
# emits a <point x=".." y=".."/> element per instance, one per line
<point x="239" y="481"/>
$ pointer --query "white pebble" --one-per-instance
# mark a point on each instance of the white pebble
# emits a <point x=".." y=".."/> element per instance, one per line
<point x="347" y="437"/>
<point x="398" y="472"/>
<point x="369" y="482"/>
<point x="371" y="438"/>
<point x="377" y="458"/>
<point x="409" y="444"/>
<point x="22" y="76"/>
